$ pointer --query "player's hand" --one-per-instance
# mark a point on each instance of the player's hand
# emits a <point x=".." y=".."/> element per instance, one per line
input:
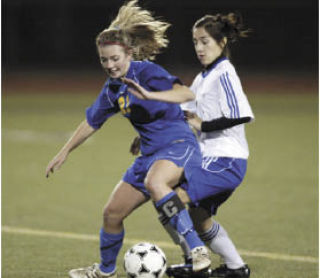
<point x="135" y="89"/>
<point x="135" y="146"/>
<point x="56" y="163"/>
<point x="194" y="121"/>
<point x="188" y="115"/>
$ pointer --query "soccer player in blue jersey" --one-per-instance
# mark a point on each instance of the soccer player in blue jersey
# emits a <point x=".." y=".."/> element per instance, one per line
<point x="169" y="148"/>
<point x="218" y="114"/>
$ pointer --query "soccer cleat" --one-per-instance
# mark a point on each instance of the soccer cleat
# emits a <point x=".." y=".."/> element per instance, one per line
<point x="194" y="267"/>
<point x="224" y="272"/>
<point x="185" y="271"/>
<point x="200" y="258"/>
<point x="90" y="272"/>
<point x="180" y="271"/>
<point x="187" y="259"/>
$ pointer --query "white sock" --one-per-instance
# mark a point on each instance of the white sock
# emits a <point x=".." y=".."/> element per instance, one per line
<point x="217" y="239"/>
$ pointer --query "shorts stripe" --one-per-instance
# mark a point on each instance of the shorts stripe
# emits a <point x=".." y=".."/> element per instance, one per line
<point x="206" y="165"/>
<point x="168" y="157"/>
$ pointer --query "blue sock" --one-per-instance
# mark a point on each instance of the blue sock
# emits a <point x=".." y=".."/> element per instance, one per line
<point x="172" y="207"/>
<point x="110" y="245"/>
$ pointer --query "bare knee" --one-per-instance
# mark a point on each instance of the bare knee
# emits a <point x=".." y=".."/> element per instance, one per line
<point x="150" y="184"/>
<point x="113" y="215"/>
<point x="157" y="187"/>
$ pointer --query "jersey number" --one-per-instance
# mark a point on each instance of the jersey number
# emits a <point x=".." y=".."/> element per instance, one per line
<point x="124" y="105"/>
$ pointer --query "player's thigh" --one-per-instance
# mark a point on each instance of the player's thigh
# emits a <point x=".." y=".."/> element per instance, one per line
<point x="123" y="200"/>
<point x="163" y="172"/>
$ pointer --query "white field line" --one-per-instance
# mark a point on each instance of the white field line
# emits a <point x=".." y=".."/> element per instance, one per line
<point x="27" y="135"/>
<point x="33" y="136"/>
<point x="163" y="244"/>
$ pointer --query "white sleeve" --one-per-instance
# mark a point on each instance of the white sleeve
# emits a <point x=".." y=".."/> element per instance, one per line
<point x="233" y="101"/>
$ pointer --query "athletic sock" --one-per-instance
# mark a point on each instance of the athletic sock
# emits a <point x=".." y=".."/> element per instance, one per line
<point x="179" y="218"/>
<point x="110" y="245"/>
<point x="176" y="237"/>
<point x="217" y="239"/>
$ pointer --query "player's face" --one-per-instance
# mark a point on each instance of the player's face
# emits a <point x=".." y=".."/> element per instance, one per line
<point x="206" y="47"/>
<point x="114" y="60"/>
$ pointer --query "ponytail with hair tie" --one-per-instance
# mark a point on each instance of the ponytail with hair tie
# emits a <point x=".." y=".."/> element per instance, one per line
<point x="220" y="26"/>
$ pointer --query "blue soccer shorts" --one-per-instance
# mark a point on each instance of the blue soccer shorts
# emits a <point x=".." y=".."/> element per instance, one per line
<point x="183" y="153"/>
<point x="213" y="183"/>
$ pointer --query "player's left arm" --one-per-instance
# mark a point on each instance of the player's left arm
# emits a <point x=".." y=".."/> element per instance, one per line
<point x="178" y="94"/>
<point x="222" y="123"/>
<point x="233" y="101"/>
<point x="235" y="108"/>
<point x="215" y="124"/>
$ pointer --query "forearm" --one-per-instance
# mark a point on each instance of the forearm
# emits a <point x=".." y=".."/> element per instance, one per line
<point x="222" y="123"/>
<point x="83" y="132"/>
<point x="178" y="94"/>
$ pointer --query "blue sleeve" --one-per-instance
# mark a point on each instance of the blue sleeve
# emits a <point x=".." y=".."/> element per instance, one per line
<point x="158" y="79"/>
<point x="102" y="109"/>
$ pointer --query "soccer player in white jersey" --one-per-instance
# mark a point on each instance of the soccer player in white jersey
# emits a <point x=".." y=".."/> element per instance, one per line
<point x="218" y="114"/>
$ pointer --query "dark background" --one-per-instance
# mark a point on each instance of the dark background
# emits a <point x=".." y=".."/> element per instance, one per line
<point x="46" y="35"/>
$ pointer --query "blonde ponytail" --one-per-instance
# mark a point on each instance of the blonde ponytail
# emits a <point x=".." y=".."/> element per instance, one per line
<point x="136" y="29"/>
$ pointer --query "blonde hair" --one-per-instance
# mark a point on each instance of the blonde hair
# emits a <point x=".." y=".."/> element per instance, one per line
<point x="136" y="29"/>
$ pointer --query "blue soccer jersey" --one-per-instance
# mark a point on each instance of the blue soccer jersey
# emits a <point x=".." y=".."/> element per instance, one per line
<point x="158" y="123"/>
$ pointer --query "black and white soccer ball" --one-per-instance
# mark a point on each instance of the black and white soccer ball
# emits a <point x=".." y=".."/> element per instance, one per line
<point x="145" y="260"/>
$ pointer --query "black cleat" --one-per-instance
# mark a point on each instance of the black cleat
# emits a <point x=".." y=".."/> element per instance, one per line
<point x="187" y="259"/>
<point x="185" y="271"/>
<point x="224" y="272"/>
<point x="179" y="270"/>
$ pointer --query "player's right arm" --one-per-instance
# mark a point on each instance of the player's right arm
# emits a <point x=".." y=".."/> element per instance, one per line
<point x="83" y="132"/>
<point x="178" y="94"/>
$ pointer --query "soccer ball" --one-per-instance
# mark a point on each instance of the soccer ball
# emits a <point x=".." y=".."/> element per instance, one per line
<point x="145" y="260"/>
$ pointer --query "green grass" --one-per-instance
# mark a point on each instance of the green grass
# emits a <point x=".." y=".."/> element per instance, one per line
<point x="275" y="210"/>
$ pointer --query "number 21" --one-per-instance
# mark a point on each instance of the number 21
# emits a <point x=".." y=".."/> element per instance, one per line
<point x="124" y="105"/>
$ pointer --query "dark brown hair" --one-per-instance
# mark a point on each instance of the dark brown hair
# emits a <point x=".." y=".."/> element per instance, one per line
<point x="220" y="26"/>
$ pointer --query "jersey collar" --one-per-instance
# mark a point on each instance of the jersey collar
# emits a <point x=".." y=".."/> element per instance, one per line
<point x="211" y="66"/>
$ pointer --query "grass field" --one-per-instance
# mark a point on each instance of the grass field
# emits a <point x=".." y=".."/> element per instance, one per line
<point x="51" y="225"/>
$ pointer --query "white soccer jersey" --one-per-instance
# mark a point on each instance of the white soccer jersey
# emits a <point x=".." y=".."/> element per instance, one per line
<point x="219" y="94"/>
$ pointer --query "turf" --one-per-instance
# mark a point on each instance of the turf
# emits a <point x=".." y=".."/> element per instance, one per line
<point x="274" y="211"/>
